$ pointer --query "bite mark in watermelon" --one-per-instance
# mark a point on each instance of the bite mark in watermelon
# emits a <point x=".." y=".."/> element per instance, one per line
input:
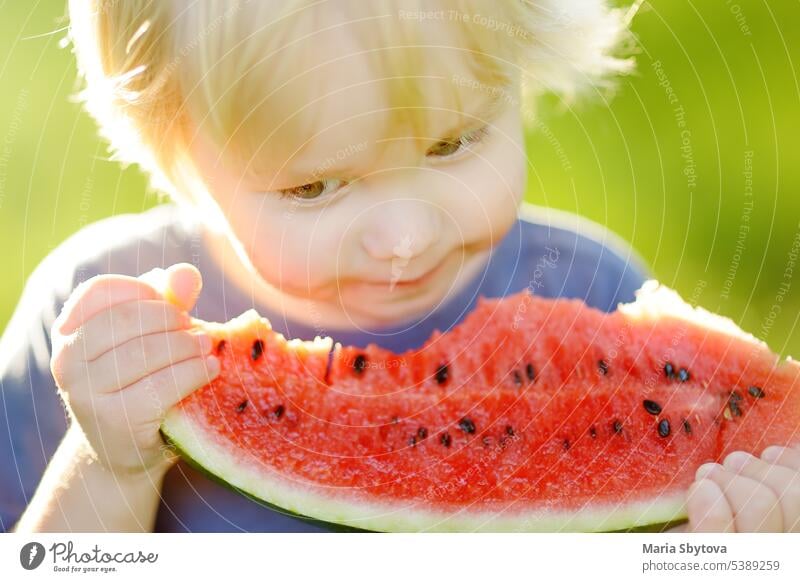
<point x="530" y="415"/>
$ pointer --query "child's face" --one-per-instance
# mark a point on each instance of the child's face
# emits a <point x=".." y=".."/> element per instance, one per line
<point x="374" y="228"/>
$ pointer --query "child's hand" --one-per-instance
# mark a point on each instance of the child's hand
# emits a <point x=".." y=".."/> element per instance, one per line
<point x="747" y="493"/>
<point x="123" y="355"/>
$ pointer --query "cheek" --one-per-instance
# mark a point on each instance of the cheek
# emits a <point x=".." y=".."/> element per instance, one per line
<point x="517" y="159"/>
<point x="286" y="245"/>
<point x="300" y="249"/>
<point x="499" y="187"/>
<point x="510" y="176"/>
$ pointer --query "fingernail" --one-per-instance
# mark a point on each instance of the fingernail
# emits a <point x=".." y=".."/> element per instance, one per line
<point x="212" y="366"/>
<point x="737" y="460"/>
<point x="771" y="453"/>
<point x="705" y="470"/>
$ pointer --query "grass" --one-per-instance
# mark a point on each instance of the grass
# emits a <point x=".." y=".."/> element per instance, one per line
<point x="668" y="176"/>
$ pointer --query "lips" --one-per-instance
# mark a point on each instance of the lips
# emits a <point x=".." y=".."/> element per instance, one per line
<point x="425" y="277"/>
<point x="422" y="278"/>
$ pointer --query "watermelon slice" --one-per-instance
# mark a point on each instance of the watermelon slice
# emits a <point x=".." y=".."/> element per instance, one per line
<point x="530" y="415"/>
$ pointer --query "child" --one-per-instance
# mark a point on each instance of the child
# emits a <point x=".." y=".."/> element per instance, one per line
<point x="347" y="168"/>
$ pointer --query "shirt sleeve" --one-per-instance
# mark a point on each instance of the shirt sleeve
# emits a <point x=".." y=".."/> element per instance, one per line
<point x="571" y="256"/>
<point x="611" y="271"/>
<point x="32" y="416"/>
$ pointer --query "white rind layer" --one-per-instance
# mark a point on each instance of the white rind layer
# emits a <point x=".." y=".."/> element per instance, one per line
<point x="337" y="506"/>
<point x="655" y="301"/>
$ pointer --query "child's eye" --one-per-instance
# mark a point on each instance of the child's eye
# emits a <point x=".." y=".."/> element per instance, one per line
<point x="445" y="149"/>
<point x="453" y="147"/>
<point x="313" y="190"/>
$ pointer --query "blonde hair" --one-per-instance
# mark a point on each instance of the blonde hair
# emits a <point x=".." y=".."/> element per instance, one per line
<point x="152" y="66"/>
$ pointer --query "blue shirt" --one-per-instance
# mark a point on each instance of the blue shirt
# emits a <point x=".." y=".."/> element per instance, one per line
<point x="554" y="254"/>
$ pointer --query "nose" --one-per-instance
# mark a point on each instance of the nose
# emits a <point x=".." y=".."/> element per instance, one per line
<point x="401" y="228"/>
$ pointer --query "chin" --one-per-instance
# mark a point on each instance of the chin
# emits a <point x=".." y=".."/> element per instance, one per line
<point x="394" y="315"/>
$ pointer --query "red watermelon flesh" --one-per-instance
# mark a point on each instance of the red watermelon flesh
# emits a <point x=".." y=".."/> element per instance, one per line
<point x="531" y="415"/>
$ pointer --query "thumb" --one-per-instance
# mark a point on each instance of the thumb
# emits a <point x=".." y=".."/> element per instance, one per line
<point x="183" y="285"/>
<point x="179" y="284"/>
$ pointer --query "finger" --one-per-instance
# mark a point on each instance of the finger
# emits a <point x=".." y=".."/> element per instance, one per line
<point x="97" y="294"/>
<point x="184" y="284"/>
<point x="755" y="507"/>
<point x="126" y="321"/>
<point x="144" y="355"/>
<point x="109" y="328"/>
<point x="180" y="284"/>
<point x="784" y="482"/>
<point x="708" y="508"/>
<point x="152" y="396"/>
<point x="785" y="456"/>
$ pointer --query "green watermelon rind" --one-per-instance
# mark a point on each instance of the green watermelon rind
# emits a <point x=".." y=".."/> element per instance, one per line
<point x="186" y="457"/>
<point x="339" y="513"/>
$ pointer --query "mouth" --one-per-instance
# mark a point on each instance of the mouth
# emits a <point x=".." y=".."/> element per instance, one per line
<point x="422" y="279"/>
<point x="415" y="282"/>
<point x="462" y="255"/>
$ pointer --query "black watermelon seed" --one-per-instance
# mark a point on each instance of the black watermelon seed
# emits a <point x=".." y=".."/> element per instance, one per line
<point x="517" y="378"/>
<point x="278" y="411"/>
<point x="669" y="370"/>
<point x="242" y="406"/>
<point x="258" y="349"/>
<point x="221" y="346"/>
<point x="445" y="439"/>
<point x="602" y="365"/>
<point x="683" y="375"/>
<point x="663" y="428"/>
<point x="593" y="432"/>
<point x="486" y="441"/>
<point x="412" y="441"/>
<point x="617" y="426"/>
<point x="441" y="374"/>
<point x="422" y="432"/>
<point x="733" y="401"/>
<point x="395" y="420"/>
<point x="509" y="430"/>
<point x="466" y="425"/>
<point x="359" y="364"/>
<point x="530" y="372"/>
<point x="565" y="444"/>
<point x="755" y="392"/>
<point x="652" y="407"/>
<point x="687" y="428"/>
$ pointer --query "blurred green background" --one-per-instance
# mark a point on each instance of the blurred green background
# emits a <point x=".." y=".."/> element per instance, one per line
<point x="694" y="160"/>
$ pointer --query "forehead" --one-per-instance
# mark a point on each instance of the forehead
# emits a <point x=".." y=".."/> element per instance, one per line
<point x="353" y="112"/>
<point x="335" y="92"/>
